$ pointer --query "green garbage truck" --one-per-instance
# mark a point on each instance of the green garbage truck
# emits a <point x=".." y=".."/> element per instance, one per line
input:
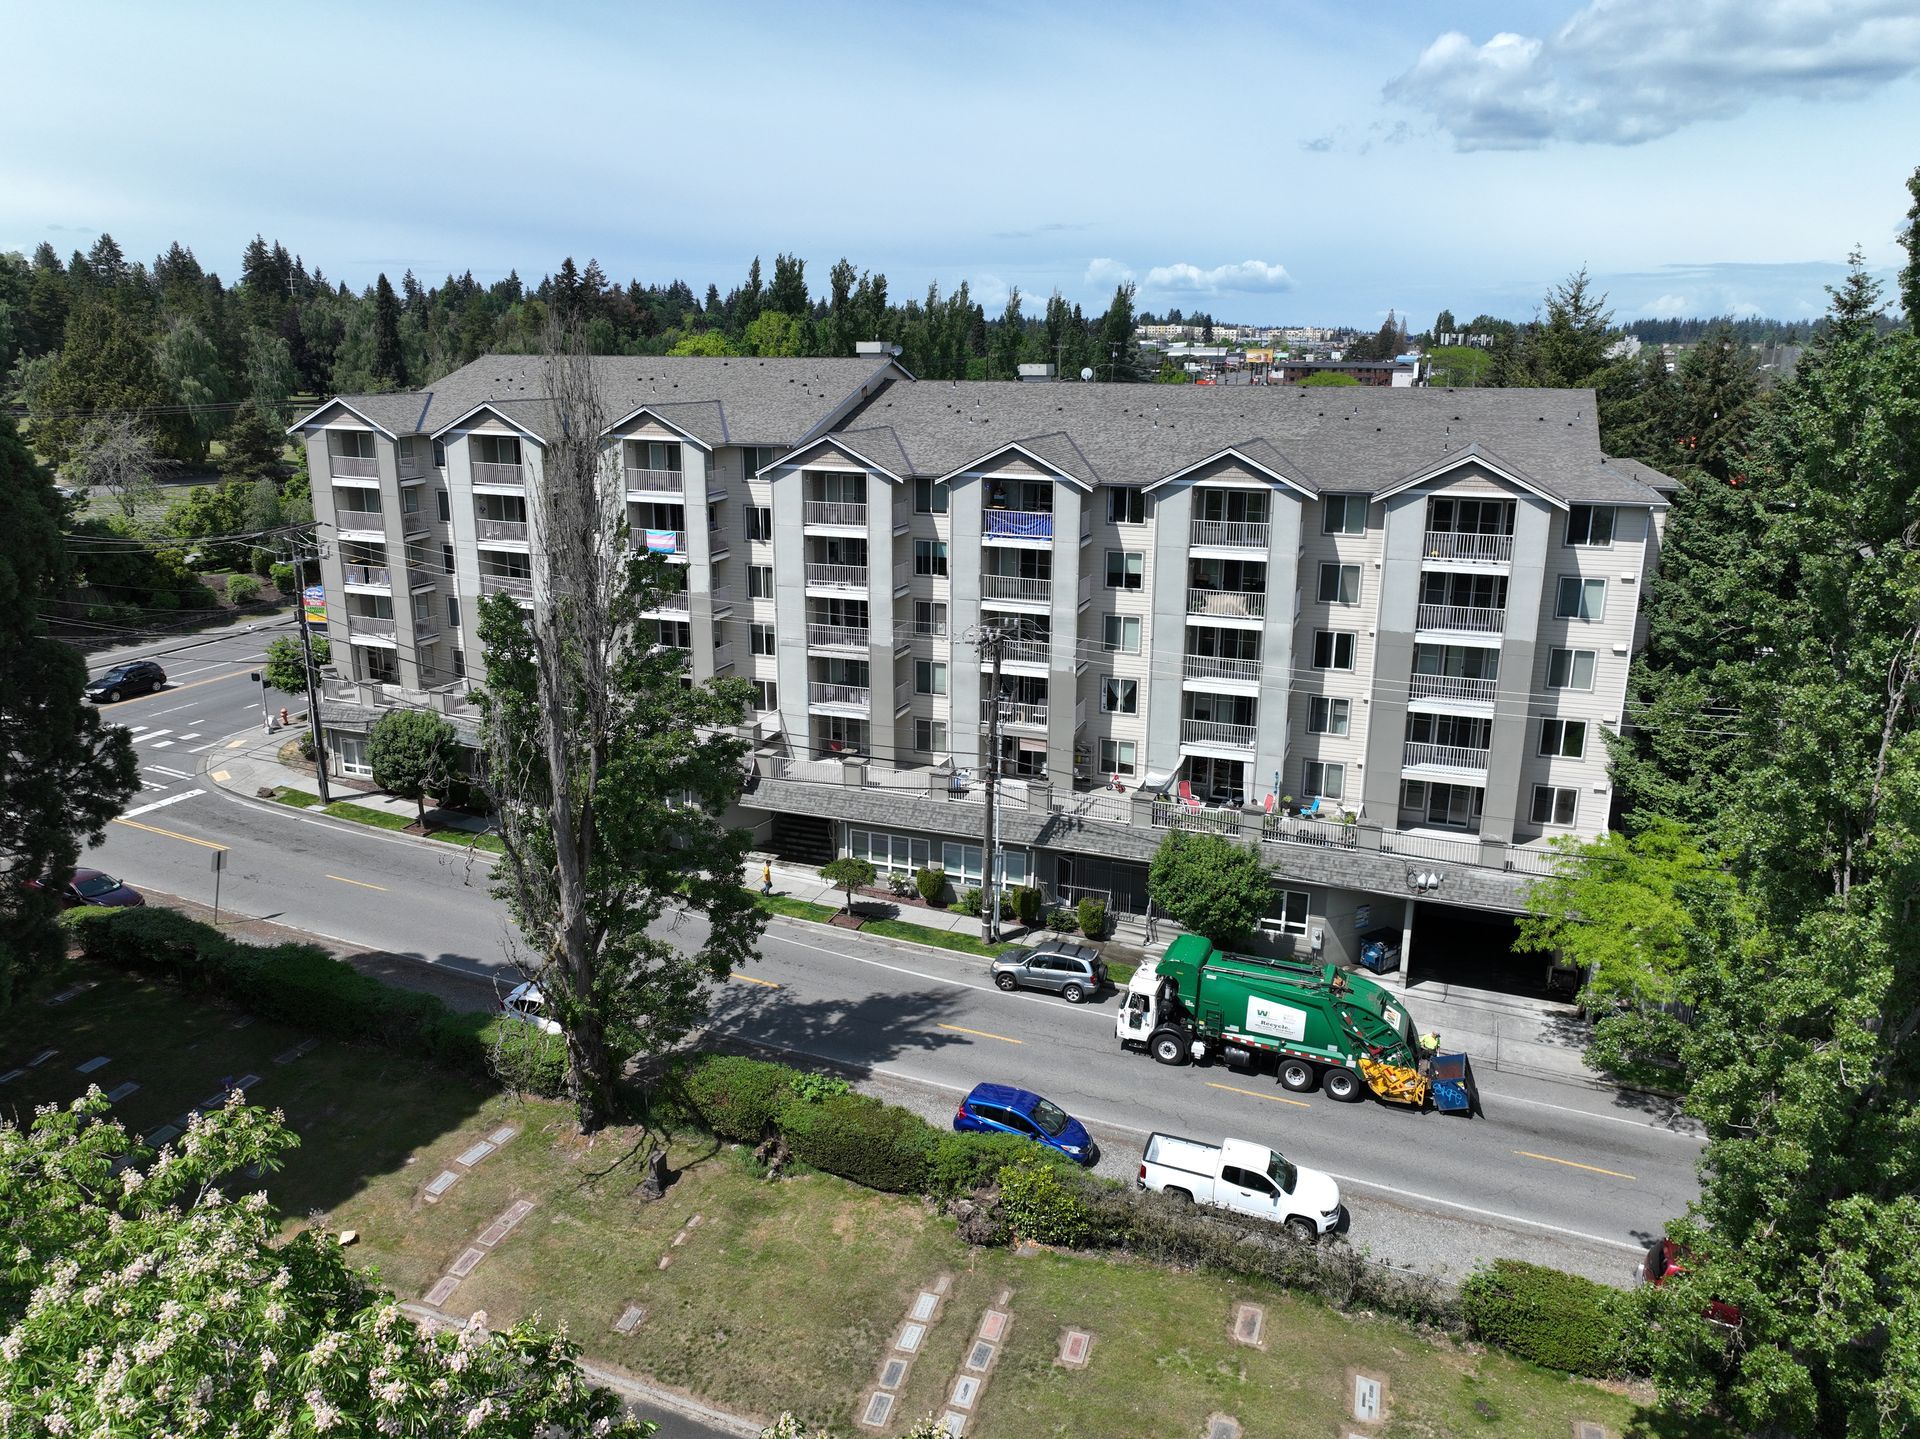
<point x="1319" y="1025"/>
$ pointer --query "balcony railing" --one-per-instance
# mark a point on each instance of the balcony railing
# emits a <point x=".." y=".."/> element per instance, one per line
<point x="1231" y="534"/>
<point x="722" y="658"/>
<point x="353" y="467"/>
<point x="1214" y="667"/>
<point x="1027" y="652"/>
<point x="360" y="521"/>
<point x="659" y="542"/>
<point x="834" y="512"/>
<point x="902" y="694"/>
<point x="821" y="693"/>
<point x="672" y="602"/>
<point x="1017" y="524"/>
<point x="1452" y="687"/>
<point x="1017" y="712"/>
<point x="1018" y="588"/>
<point x="1172" y="814"/>
<point x="374" y="575"/>
<point x="1228" y="604"/>
<point x="503" y="530"/>
<point x="1468" y="619"/>
<point x="519" y="586"/>
<point x="1447" y="756"/>
<point x="372" y="625"/>
<point x="486" y="472"/>
<point x="1453" y="545"/>
<point x="838" y="637"/>
<point x="654" y="482"/>
<point x="837" y="577"/>
<point x="1216" y="732"/>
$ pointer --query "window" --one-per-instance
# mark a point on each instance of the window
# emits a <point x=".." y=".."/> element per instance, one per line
<point x="759" y="582"/>
<point x="929" y="497"/>
<point x="929" y="617"/>
<point x="1328" y="781"/>
<point x="1126" y="505"/>
<point x="756" y="458"/>
<point x="439" y="454"/>
<point x="766" y="696"/>
<point x="1590" y="525"/>
<point x="1570" y="669"/>
<point x="445" y="506"/>
<point x="1580" y="599"/>
<point x="1289" y="914"/>
<point x="1117" y="756"/>
<point x="929" y="677"/>
<point x="350" y="754"/>
<point x="446" y="558"/>
<point x="1123" y="634"/>
<point x="1328" y="716"/>
<point x="760" y="638"/>
<point x="1554" y="805"/>
<point x="903" y="852"/>
<point x="1343" y="515"/>
<point x="930" y="557"/>
<point x="1339" y="584"/>
<point x="1333" y="649"/>
<point x="453" y="612"/>
<point x="1565" y="739"/>
<point x="655" y="455"/>
<point x="459" y="664"/>
<point x="1126" y="569"/>
<point x="1118" y="696"/>
<point x="759" y="523"/>
<point x="930" y="736"/>
<point x="410" y="500"/>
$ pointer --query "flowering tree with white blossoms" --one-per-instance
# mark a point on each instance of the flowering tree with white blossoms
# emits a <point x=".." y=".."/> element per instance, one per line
<point x="150" y="1301"/>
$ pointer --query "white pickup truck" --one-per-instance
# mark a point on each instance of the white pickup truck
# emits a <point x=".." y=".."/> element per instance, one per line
<point x="1246" y="1178"/>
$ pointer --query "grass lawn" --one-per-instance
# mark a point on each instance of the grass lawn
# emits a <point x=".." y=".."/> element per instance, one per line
<point x="926" y="934"/>
<point x="795" y="908"/>
<point x="787" y="1295"/>
<point x="298" y="798"/>
<point x="380" y="819"/>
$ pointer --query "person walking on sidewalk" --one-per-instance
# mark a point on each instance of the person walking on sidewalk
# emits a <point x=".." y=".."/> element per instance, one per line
<point x="766" y="877"/>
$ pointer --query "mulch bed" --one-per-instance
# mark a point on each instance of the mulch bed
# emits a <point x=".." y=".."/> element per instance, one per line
<point x="848" y="921"/>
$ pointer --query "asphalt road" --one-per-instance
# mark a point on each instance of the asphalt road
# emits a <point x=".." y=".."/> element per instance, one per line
<point x="1550" y="1172"/>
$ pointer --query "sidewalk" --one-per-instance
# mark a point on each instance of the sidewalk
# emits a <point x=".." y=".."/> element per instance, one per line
<point x="251" y="762"/>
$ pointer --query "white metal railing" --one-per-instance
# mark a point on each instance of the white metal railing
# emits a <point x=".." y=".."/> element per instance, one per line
<point x="1079" y="715"/>
<point x="838" y="637"/>
<point x="1017" y="712"/>
<point x="649" y="540"/>
<point x="1172" y="814"/>
<point x="502" y="529"/>
<point x="1214" y="667"/>
<point x="1086" y="589"/>
<point x="1452" y="687"/>
<point x="837" y="577"/>
<point x="1025" y="652"/>
<point x="1471" y="619"/>
<point x="834" y="512"/>
<point x="1216" y="732"/>
<point x="353" y="467"/>
<point x="369" y="624"/>
<point x="1231" y="534"/>
<point x="821" y="693"/>
<point x="1423" y="846"/>
<point x="360" y="520"/>
<point x="1018" y="588"/>
<point x="671" y="602"/>
<point x="1450" y="756"/>
<point x="722" y="657"/>
<point x="1017" y="524"/>
<point x="1287" y="829"/>
<point x="654" y="482"/>
<point x="369" y="575"/>
<point x="486" y="472"/>
<point x="1455" y="545"/>
<point x="902" y="694"/>
<point x="519" y="586"/>
<point x="1228" y="604"/>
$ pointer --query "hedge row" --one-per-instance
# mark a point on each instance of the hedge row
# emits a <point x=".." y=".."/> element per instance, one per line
<point x="303" y="985"/>
<point x="1553" y="1318"/>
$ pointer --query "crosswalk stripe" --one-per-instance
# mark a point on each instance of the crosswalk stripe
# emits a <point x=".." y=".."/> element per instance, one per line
<point x="164" y="744"/>
<point x="150" y="734"/>
<point x="162" y="803"/>
<point x="190" y="734"/>
<point x="162" y="769"/>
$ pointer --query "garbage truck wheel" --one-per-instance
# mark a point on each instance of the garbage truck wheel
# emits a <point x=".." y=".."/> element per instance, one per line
<point x="1343" y="1085"/>
<point x="1297" y="1075"/>
<point x="1169" y="1046"/>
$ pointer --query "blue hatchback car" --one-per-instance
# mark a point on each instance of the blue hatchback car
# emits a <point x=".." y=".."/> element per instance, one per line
<point x="1002" y="1109"/>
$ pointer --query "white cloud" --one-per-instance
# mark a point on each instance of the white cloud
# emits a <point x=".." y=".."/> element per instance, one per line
<point x="1667" y="305"/>
<point x="1247" y="277"/>
<point x="1104" y="271"/>
<point x="1622" y="72"/>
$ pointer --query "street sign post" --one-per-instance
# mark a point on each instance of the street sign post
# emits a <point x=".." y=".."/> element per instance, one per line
<point x="219" y="863"/>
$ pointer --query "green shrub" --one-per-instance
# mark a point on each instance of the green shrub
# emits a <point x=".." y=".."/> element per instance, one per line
<point x="1093" y="917"/>
<point x="281" y="574"/>
<point x="1063" y="921"/>
<point x="971" y="902"/>
<point x="736" y="1097"/>
<point x="242" y="589"/>
<point x="932" y="884"/>
<point x="1559" y="1320"/>
<point x="161" y="942"/>
<point x="817" y="1088"/>
<point x="961" y="1163"/>
<point x="1027" y="901"/>
<point x="1044" y="1203"/>
<point x="879" y="1145"/>
<point x="527" y="1059"/>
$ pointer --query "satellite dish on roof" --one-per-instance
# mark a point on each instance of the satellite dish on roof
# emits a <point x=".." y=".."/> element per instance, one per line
<point x="1087" y="373"/>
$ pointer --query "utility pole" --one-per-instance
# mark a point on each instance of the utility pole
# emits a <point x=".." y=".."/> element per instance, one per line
<point x="306" y="666"/>
<point x="991" y="639"/>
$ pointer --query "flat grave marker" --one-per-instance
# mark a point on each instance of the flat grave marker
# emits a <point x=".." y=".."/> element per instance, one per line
<point x="1369" y="1398"/>
<point x="910" y="1338"/>
<point x="121" y="1091"/>
<point x="924" y="1303"/>
<point x="442" y="1291"/>
<point x="966" y="1389"/>
<point x="97" y="1062"/>
<point x="893" y="1374"/>
<point x="464" y="1265"/>
<point x="1075" y="1345"/>
<point x="440" y="1184"/>
<point x="877" y="1410"/>
<point x="41" y="1058"/>
<point x="474" y="1155"/>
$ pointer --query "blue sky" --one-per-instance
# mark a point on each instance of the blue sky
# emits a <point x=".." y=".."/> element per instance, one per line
<point x="1303" y="162"/>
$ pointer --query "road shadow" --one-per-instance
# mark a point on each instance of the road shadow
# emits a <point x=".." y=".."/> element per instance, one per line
<point x="859" y="1032"/>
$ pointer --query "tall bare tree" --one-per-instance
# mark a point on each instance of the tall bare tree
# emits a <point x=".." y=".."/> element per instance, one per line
<point x="612" y="774"/>
<point x="116" y="454"/>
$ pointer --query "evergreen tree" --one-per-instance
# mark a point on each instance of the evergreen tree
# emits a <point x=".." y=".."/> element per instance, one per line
<point x="788" y="293"/>
<point x="1119" y="360"/>
<point x="1004" y="347"/>
<point x="1568" y="350"/>
<point x="746" y="303"/>
<point x="105" y="364"/>
<point x="389" y="359"/>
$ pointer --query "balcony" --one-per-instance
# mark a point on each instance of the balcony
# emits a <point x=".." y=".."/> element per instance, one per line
<point x="821" y="695"/>
<point x="1213" y="734"/>
<point x="836" y="577"/>
<point x="842" y="514"/>
<point x="1213" y="668"/>
<point x="352" y="467"/>
<point x="1016" y="714"/>
<point x="508" y="531"/>
<point x="370" y="523"/>
<point x="1022" y="652"/>
<point x="1461" y="619"/>
<point x="1452" y="687"/>
<point x="1229" y="534"/>
<point x="838" y="637"/>
<point x="722" y="658"/>
<point x="372" y="629"/>
<point x="367" y="577"/>
<point x="1444" y="756"/>
<point x="668" y="602"/>
<point x="1034" y="526"/>
<point x="1228" y="604"/>
<point x="1470" y="549"/>
<point x="487" y="472"/>
<point x="654" y="482"/>
<point x="519" y="586"/>
<point x="1014" y="589"/>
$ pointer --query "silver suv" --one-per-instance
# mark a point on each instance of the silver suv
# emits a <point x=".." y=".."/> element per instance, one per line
<point x="1072" y="971"/>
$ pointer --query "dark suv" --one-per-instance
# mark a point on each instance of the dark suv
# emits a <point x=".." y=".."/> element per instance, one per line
<point x="1072" y="971"/>
<point x="138" y="677"/>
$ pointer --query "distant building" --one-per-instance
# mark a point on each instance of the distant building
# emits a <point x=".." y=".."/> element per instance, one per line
<point x="1397" y="374"/>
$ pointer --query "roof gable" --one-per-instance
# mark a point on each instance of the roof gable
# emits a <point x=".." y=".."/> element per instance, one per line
<point x="656" y="414"/>
<point x="1474" y="454"/>
<point x="1255" y="454"/>
<point x="314" y="420"/>
<point x="1056" y="453"/>
<point x="498" y="412"/>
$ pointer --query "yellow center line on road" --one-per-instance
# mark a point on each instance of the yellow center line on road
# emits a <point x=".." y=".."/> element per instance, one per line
<point x="981" y="1033"/>
<point x="361" y="882"/>
<point x="169" y="833"/>
<point x="176" y="689"/>
<point x="1256" y="1094"/>
<point x="749" y="979"/>
<point x="1572" y="1164"/>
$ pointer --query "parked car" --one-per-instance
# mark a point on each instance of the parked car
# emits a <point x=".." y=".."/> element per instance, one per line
<point x="137" y="677"/>
<point x="526" y="1002"/>
<point x="1664" y="1260"/>
<point x="1072" y="971"/>
<point x="1002" y="1109"/>
<point x="1245" y="1178"/>
<point x="95" y="886"/>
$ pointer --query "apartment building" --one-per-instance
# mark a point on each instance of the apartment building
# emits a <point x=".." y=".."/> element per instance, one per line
<point x="1378" y="633"/>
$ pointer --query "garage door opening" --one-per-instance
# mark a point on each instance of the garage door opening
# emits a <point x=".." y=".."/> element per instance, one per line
<point x="1473" y="949"/>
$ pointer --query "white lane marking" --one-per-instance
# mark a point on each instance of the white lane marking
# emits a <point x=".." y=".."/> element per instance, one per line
<point x="164" y="744"/>
<point x="162" y="803"/>
<point x="174" y="711"/>
<point x="162" y="769"/>
<point x="150" y="734"/>
<point x="190" y="734"/>
<point x="203" y="748"/>
<point x="1655" y="1125"/>
<point x="135" y="730"/>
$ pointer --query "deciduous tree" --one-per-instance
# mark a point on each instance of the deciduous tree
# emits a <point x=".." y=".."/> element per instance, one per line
<point x="413" y="753"/>
<point x="285" y="665"/>
<point x="116" y="453"/>
<point x="1210" y="886"/>
<point x="849" y="872"/>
